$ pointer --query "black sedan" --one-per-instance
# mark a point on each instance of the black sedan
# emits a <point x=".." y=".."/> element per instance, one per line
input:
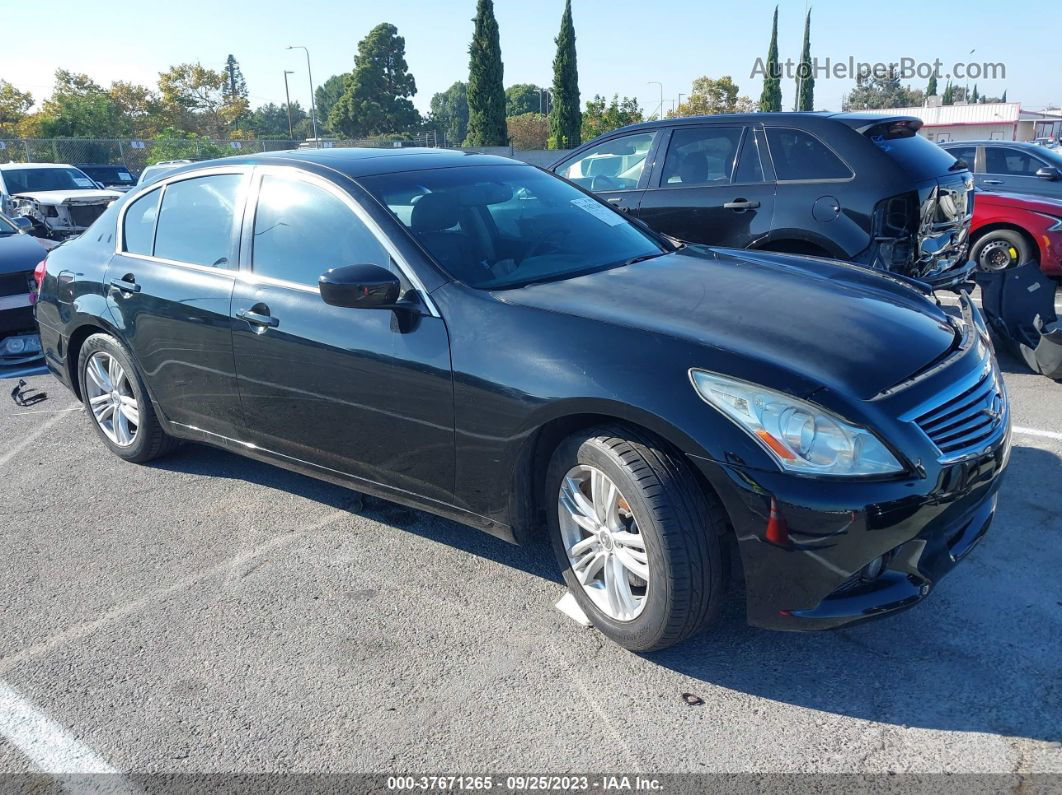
<point x="20" y="254"/>
<point x="483" y="340"/>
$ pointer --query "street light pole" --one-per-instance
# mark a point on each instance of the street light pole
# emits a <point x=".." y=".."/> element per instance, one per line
<point x="287" y="98"/>
<point x="660" y="109"/>
<point x="313" y="105"/>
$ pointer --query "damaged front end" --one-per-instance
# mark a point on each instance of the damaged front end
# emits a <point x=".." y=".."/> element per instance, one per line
<point x="59" y="218"/>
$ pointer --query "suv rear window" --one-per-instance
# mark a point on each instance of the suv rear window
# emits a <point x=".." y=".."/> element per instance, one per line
<point x="918" y="156"/>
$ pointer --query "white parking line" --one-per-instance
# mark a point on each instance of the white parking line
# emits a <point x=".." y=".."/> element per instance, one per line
<point x="1037" y="432"/>
<point x="26" y="441"/>
<point x="43" y="741"/>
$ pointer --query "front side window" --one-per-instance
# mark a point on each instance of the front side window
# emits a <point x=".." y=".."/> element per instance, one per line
<point x="1013" y="162"/>
<point x="800" y="155"/>
<point x="498" y="227"/>
<point x="301" y="231"/>
<point x="700" y="156"/>
<point x="196" y="220"/>
<point x="138" y="230"/>
<point x="616" y="164"/>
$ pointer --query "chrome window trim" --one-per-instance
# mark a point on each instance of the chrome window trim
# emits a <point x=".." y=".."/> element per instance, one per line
<point x="294" y="172"/>
<point x="230" y="272"/>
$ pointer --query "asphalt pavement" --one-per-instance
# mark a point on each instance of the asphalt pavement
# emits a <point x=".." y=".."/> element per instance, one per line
<point x="207" y="613"/>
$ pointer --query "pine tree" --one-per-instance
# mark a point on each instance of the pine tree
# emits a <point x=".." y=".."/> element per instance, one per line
<point x="1004" y="97"/>
<point x="235" y="86"/>
<point x="771" y="98"/>
<point x="376" y="96"/>
<point x="931" y="89"/>
<point x="805" y="76"/>
<point x="486" y="89"/>
<point x="565" y="118"/>
<point x="949" y="95"/>
<point x="975" y="97"/>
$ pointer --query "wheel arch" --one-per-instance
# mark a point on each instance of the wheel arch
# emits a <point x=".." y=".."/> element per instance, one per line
<point x="78" y="335"/>
<point x="791" y="244"/>
<point x="1008" y="226"/>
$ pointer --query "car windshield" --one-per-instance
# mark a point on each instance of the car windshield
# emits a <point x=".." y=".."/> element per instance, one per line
<point x="110" y="175"/>
<point x="29" y="180"/>
<point x="500" y="227"/>
<point x="918" y="156"/>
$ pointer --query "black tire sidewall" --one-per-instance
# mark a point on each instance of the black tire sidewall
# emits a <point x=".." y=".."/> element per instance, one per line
<point x="1011" y="237"/>
<point x="141" y="447"/>
<point x="644" y="631"/>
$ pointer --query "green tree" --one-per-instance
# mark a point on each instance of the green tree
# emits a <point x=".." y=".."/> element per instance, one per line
<point x="327" y="95"/>
<point x="14" y="105"/>
<point x="174" y="144"/>
<point x="194" y="97"/>
<point x="139" y="107"/>
<point x="449" y="113"/>
<point x="931" y="89"/>
<point x="528" y="131"/>
<point x="376" y="98"/>
<point x="271" y="121"/>
<point x="771" y="97"/>
<point x="486" y="90"/>
<point x="948" y="98"/>
<point x="975" y="96"/>
<point x="1004" y="97"/>
<point x="525" y="98"/>
<point x="805" y="76"/>
<point x="709" y="97"/>
<point x="565" y="119"/>
<point x="601" y="116"/>
<point x="235" y="86"/>
<point x="79" y="108"/>
<point x="882" y="89"/>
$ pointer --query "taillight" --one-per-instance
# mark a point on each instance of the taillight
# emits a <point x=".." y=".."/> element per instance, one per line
<point x="38" y="277"/>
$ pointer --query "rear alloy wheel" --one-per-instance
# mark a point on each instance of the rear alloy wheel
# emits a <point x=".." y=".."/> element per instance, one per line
<point x="116" y="398"/>
<point x="1000" y="250"/>
<point x="638" y="538"/>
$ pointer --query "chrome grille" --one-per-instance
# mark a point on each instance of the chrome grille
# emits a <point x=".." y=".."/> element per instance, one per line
<point x="970" y="418"/>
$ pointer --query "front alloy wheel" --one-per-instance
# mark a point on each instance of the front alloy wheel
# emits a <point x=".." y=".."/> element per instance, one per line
<point x="111" y="399"/>
<point x="605" y="549"/>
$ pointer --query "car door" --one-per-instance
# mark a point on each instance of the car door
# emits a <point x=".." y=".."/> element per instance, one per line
<point x="968" y="154"/>
<point x="616" y="169"/>
<point x="710" y="187"/>
<point x="1010" y="169"/>
<point x="169" y="285"/>
<point x="364" y="392"/>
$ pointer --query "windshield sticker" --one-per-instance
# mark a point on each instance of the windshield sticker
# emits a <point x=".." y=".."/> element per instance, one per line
<point x="125" y="176"/>
<point x="84" y="182"/>
<point x="598" y="211"/>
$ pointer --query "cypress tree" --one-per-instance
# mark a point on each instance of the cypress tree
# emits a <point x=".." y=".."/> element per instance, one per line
<point x="806" y="77"/>
<point x="486" y="92"/>
<point x="949" y="95"/>
<point x="771" y="98"/>
<point x="931" y="89"/>
<point x="1004" y="97"/>
<point x="565" y="119"/>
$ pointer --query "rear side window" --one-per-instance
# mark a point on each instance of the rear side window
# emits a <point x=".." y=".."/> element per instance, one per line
<point x="301" y="231"/>
<point x="748" y="167"/>
<point x="700" y="156"/>
<point x="196" y="220"/>
<point x="138" y="230"/>
<point x="967" y="154"/>
<point x="800" y="155"/>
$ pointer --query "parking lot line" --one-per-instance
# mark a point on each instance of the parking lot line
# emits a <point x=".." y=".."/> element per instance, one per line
<point x="31" y="438"/>
<point x="43" y="741"/>
<point x="1037" y="432"/>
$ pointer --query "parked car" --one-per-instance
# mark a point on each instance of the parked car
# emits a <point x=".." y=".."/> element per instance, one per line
<point x="153" y="171"/>
<point x="862" y="188"/>
<point x="20" y="255"/>
<point x="58" y="199"/>
<point x="1011" y="166"/>
<point x="480" y="339"/>
<point x="106" y="175"/>
<point x="1011" y="229"/>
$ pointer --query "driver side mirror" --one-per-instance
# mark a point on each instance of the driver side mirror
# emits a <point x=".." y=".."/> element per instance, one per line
<point x="1048" y="172"/>
<point x="360" y="287"/>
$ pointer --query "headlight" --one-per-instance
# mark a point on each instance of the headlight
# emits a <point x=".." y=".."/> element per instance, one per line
<point x="800" y="436"/>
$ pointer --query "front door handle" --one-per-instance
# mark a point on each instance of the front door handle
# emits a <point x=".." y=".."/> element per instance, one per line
<point x="263" y="319"/>
<point x="991" y="182"/>
<point x="741" y="205"/>
<point x="127" y="284"/>
<point x="617" y="202"/>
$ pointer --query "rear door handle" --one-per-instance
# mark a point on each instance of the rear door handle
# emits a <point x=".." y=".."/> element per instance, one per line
<point x="617" y="202"/>
<point x="127" y="284"/>
<point x="741" y="204"/>
<point x="258" y="318"/>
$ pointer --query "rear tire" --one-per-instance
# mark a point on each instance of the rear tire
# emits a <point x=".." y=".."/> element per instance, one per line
<point x="117" y="401"/>
<point x="1000" y="250"/>
<point x="669" y="527"/>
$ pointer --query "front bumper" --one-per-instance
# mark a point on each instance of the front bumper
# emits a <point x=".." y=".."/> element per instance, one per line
<point x="805" y="569"/>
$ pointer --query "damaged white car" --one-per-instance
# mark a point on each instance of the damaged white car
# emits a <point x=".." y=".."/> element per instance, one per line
<point x="58" y="199"/>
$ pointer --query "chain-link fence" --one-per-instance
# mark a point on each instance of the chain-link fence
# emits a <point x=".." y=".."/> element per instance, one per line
<point x="136" y="154"/>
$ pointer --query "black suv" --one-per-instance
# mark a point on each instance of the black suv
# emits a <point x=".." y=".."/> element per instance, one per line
<point x="858" y="187"/>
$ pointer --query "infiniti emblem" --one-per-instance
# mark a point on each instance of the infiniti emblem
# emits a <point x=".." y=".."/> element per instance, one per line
<point x="995" y="409"/>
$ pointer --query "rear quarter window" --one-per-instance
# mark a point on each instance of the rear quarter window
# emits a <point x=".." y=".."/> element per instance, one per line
<point x="799" y="155"/>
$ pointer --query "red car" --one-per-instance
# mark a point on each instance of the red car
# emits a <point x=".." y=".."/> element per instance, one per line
<point x="1009" y="229"/>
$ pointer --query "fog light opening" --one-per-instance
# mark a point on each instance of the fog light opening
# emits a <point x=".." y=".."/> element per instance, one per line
<point x="874" y="569"/>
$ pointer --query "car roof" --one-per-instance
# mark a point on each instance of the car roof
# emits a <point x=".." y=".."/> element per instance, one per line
<point x="983" y="142"/>
<point x="363" y="162"/>
<point x="855" y="120"/>
<point x="10" y="166"/>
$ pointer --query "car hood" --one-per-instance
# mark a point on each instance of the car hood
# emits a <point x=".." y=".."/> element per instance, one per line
<point x="20" y="253"/>
<point x="827" y="323"/>
<point x="56" y="197"/>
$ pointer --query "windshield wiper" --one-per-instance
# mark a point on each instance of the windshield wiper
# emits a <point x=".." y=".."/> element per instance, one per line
<point x="644" y="257"/>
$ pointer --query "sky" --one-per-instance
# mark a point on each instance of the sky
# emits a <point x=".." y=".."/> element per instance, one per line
<point x="624" y="46"/>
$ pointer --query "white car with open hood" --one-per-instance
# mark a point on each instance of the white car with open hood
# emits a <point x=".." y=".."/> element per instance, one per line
<point x="59" y="199"/>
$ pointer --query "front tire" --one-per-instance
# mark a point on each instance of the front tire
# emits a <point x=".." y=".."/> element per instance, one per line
<point x="637" y="538"/>
<point x="117" y="401"/>
<point x="1001" y="250"/>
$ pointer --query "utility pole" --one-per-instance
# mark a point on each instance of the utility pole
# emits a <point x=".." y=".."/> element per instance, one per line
<point x="660" y="108"/>
<point x="313" y="106"/>
<point x="541" y="105"/>
<point x="287" y="101"/>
